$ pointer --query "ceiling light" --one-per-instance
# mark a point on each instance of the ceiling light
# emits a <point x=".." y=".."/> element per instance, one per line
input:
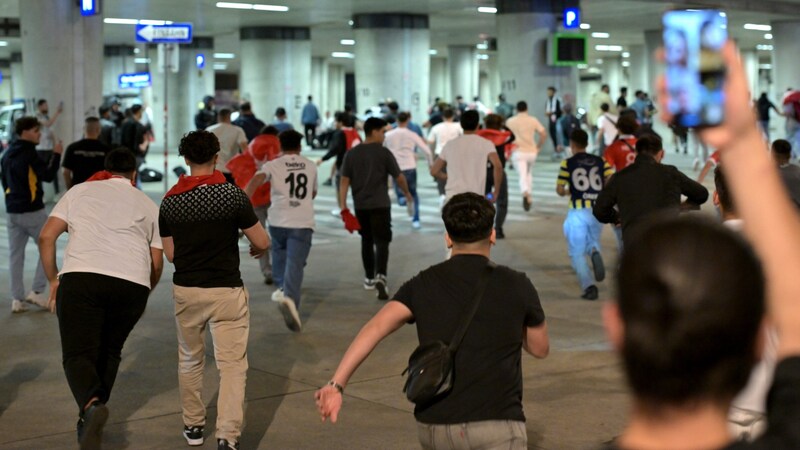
<point x="599" y="61"/>
<point x="768" y="36"/>
<point x="586" y="26"/>
<point x="582" y="66"/>
<point x="276" y="8"/>
<point x="757" y="27"/>
<point x="120" y="21"/>
<point x="136" y="50"/>
<point x="343" y="55"/>
<point x="220" y="66"/>
<point x="482" y="46"/>
<point x="350" y="22"/>
<point x="765" y="66"/>
<point x="600" y="35"/>
<point x="764" y="47"/>
<point x="152" y="22"/>
<point x="608" y="48"/>
<point x="347" y="42"/>
<point x="141" y="60"/>
<point x="626" y="54"/>
<point x="3" y="43"/>
<point x="231" y="5"/>
<point x="224" y="55"/>
<point x="432" y="52"/>
<point x="487" y="9"/>
<point x="256" y="6"/>
<point x="482" y="56"/>
<point x="626" y="63"/>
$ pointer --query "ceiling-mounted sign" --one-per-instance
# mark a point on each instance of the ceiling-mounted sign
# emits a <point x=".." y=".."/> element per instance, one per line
<point x="135" y="80"/>
<point x="90" y="7"/>
<point x="572" y="18"/>
<point x="175" y="33"/>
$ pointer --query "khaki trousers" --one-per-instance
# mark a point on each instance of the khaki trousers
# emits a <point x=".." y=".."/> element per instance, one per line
<point x="226" y="312"/>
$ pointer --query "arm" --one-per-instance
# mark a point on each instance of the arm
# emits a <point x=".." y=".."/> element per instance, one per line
<point x="420" y="143"/>
<point x="53" y="119"/>
<point x="562" y="189"/>
<point x="52" y="229"/>
<point x="243" y="146"/>
<point x="603" y="209"/>
<point x="67" y="178"/>
<point x="156" y="265"/>
<point x="336" y="146"/>
<point x="436" y="170"/>
<point x="259" y="179"/>
<point x="403" y="185"/>
<point x="259" y="241"/>
<point x="536" y="341"/>
<point x="695" y="192"/>
<point x="169" y="248"/>
<point x="497" y="171"/>
<point x="704" y="172"/>
<point x="344" y="186"/>
<point x="385" y="322"/>
<point x="48" y="171"/>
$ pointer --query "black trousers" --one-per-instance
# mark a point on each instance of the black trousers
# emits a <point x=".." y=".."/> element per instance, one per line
<point x="553" y="130"/>
<point x="311" y="133"/>
<point x="501" y="203"/>
<point x="95" y="315"/>
<point x="376" y="234"/>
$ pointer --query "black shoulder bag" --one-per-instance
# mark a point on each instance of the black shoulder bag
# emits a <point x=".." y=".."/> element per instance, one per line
<point x="430" y="367"/>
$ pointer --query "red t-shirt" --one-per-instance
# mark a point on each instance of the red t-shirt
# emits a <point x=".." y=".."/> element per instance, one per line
<point x="243" y="167"/>
<point x="620" y="154"/>
<point x="714" y="158"/>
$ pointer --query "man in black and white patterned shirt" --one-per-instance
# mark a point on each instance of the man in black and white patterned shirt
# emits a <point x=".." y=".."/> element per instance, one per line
<point x="199" y="223"/>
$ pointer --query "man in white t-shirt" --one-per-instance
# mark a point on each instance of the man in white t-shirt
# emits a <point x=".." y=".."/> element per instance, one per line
<point x="112" y="261"/>
<point x="606" y="129"/>
<point x="402" y="142"/>
<point x="232" y="141"/>
<point x="525" y="128"/>
<point x="293" y="186"/>
<point x="465" y="158"/>
<point x="440" y="135"/>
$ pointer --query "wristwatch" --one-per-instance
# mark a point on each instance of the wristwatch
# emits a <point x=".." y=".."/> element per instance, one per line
<point x="338" y="386"/>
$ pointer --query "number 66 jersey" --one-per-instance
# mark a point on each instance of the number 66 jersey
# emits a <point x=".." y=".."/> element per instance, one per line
<point x="293" y="181"/>
<point x="584" y="174"/>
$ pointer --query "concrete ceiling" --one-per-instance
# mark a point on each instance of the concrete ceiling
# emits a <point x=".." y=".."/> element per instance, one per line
<point x="451" y="21"/>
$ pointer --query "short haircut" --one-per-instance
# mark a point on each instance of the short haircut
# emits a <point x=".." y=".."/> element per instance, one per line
<point x="638" y="92"/>
<point x="468" y="217"/>
<point x="103" y="110"/>
<point x="403" y="117"/>
<point x="372" y="124"/>
<point x="338" y="116"/>
<point x="623" y="89"/>
<point x="269" y="129"/>
<point x="782" y="147"/>
<point x="24" y="124"/>
<point x="92" y="124"/>
<point x="41" y="102"/>
<point x="280" y="111"/>
<point x="551" y="88"/>
<point x="605" y="86"/>
<point x="604" y="107"/>
<point x="246" y="107"/>
<point x="291" y="140"/>
<point x="199" y="147"/>
<point x="393" y="105"/>
<point x="310" y="98"/>
<point x="120" y="160"/>
<point x="470" y="120"/>
<point x="627" y="124"/>
<point x="579" y="137"/>
<point x="649" y="144"/>
<point x="448" y="113"/>
<point x="724" y="195"/>
<point x="349" y="120"/>
<point x="136" y="108"/>
<point x="224" y="113"/>
<point x="493" y="121"/>
<point x="522" y="106"/>
<point x="691" y="297"/>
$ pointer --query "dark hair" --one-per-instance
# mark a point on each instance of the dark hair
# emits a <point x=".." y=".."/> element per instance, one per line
<point x="269" y="129"/>
<point x="338" y="116"/>
<point x="372" y="124"/>
<point x="552" y="88"/>
<point x="41" y="102"/>
<point x="403" y="116"/>
<point x="393" y="105"/>
<point x="291" y="140"/>
<point x="224" y="113"/>
<point x="691" y="296"/>
<point x="723" y="194"/>
<point x="280" y="111"/>
<point x="92" y="120"/>
<point x="448" y="113"/>
<point x="136" y="108"/>
<point x="782" y="147"/>
<point x="25" y="123"/>
<point x="470" y="120"/>
<point x="627" y="124"/>
<point x="493" y="121"/>
<point x="579" y="137"/>
<point x="649" y="144"/>
<point x="349" y="120"/>
<point x="468" y="217"/>
<point x="638" y="92"/>
<point x="103" y="110"/>
<point x="604" y="107"/>
<point x="309" y="98"/>
<point x="605" y="86"/>
<point x="522" y="106"/>
<point x="623" y="89"/>
<point x="199" y="147"/>
<point x="120" y="160"/>
<point x="246" y="107"/>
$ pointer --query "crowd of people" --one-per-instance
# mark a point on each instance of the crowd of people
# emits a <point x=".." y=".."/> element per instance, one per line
<point x="700" y="303"/>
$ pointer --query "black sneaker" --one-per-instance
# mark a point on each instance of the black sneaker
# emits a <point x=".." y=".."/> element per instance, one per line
<point x="79" y="427"/>
<point x="223" y="444"/>
<point x="598" y="266"/>
<point x="268" y="280"/>
<point x="193" y="435"/>
<point x="498" y="233"/>
<point x="526" y="203"/>
<point x="590" y="293"/>
<point x="91" y="432"/>
<point x="328" y="182"/>
<point x="380" y="286"/>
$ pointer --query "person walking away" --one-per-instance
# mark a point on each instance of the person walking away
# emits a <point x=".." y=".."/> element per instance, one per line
<point x="526" y="127"/>
<point x="84" y="158"/>
<point x="48" y="139"/>
<point x="206" y="116"/>
<point x="232" y="141"/>
<point x="553" y="112"/>
<point x="248" y="122"/>
<point x="501" y="139"/>
<point x="310" y="118"/>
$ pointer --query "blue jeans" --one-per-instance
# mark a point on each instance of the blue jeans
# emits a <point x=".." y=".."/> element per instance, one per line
<point x="582" y="231"/>
<point x="411" y="179"/>
<point x="290" y="248"/>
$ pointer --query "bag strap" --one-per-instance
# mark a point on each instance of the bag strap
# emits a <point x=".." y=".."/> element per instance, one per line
<point x="480" y="288"/>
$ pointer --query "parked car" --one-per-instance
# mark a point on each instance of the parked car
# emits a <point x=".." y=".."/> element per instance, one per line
<point x="8" y="115"/>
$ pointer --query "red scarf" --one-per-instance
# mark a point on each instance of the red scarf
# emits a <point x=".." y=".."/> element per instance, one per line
<point x="106" y="175"/>
<point x="187" y="183"/>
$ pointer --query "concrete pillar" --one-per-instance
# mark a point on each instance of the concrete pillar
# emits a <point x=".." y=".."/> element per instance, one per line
<point x="63" y="61"/>
<point x="652" y="42"/>
<point x="637" y="78"/>
<point x="319" y="83"/>
<point x="786" y="35"/>
<point x="612" y="75"/>
<point x="463" y="68"/>
<point x="185" y="90"/>
<point x="440" y="81"/>
<point x="17" y="77"/>
<point x="118" y="59"/>
<point x="392" y="61"/>
<point x="750" y="59"/>
<point x="5" y="85"/>
<point x="489" y="82"/>
<point x="336" y="76"/>
<point x="276" y="69"/>
<point x="523" y="27"/>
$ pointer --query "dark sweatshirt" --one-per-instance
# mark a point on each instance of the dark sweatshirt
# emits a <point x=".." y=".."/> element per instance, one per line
<point x="23" y="173"/>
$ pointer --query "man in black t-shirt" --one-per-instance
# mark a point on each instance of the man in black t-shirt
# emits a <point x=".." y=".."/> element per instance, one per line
<point x="486" y="398"/>
<point x="84" y="158"/>
<point x="366" y="168"/>
<point x="199" y="222"/>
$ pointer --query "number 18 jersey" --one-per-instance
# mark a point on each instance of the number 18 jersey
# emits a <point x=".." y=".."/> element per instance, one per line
<point x="585" y="175"/>
<point x="293" y="181"/>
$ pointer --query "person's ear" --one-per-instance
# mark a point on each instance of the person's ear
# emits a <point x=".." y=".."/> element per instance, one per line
<point x="660" y="155"/>
<point x="715" y="198"/>
<point x="493" y="237"/>
<point x="615" y="328"/>
<point x="447" y="241"/>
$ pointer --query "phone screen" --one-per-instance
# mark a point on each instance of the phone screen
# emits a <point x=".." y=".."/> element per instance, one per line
<point x="695" y="72"/>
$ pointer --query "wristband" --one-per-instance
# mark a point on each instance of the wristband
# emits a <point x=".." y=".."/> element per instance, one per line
<point x="338" y="386"/>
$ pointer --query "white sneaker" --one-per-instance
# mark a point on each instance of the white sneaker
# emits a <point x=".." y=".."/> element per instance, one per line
<point x="38" y="299"/>
<point x="336" y="212"/>
<point x="277" y="295"/>
<point x="369" y="284"/>
<point x="416" y="225"/>
<point x="18" y="306"/>
<point x="382" y="287"/>
<point x="290" y="315"/>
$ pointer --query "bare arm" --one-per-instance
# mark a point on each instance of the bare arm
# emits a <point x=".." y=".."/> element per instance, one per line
<point x="420" y="143"/>
<point x="562" y="190"/>
<point x="704" y="172"/>
<point x="385" y="322"/>
<point x="52" y="229"/>
<point x="243" y="146"/>
<point x="67" y="178"/>
<point x="169" y="248"/>
<point x="436" y="170"/>
<point x="156" y="266"/>
<point x="254" y="183"/>
<point x="536" y="341"/>
<point x="259" y="241"/>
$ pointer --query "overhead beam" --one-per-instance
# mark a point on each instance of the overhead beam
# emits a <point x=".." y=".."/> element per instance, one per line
<point x="762" y="6"/>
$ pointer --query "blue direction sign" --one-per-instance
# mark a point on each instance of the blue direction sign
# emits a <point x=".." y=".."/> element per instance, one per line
<point x="176" y="33"/>
<point x="135" y="80"/>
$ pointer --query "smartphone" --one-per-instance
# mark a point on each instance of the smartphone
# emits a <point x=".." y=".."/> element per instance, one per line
<point x="695" y="72"/>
